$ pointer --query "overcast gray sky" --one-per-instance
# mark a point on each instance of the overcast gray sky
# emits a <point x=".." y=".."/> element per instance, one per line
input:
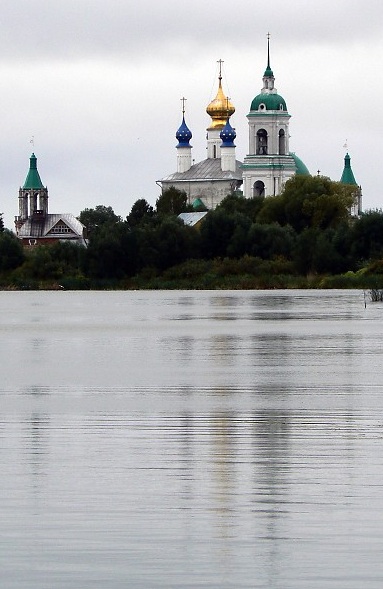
<point x="98" y="85"/>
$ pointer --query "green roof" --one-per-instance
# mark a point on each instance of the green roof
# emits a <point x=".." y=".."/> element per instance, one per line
<point x="33" y="180"/>
<point x="348" y="175"/>
<point x="199" y="204"/>
<point x="302" y="169"/>
<point x="271" y="102"/>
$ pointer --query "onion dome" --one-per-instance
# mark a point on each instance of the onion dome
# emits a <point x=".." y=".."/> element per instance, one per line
<point x="183" y="134"/>
<point x="228" y="135"/>
<point x="220" y="108"/>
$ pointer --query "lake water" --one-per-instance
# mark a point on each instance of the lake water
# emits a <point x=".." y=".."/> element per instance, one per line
<point x="191" y="440"/>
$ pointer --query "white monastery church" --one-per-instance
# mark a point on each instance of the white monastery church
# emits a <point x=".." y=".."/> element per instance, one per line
<point x="269" y="163"/>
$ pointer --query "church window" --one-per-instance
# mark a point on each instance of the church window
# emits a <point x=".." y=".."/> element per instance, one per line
<point x="259" y="188"/>
<point x="282" y="142"/>
<point x="261" y="142"/>
<point x="60" y="227"/>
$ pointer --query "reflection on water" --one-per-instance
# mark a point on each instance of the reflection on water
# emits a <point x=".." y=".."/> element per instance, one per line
<point x="199" y="439"/>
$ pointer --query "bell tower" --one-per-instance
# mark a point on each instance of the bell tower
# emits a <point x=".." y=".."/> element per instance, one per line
<point x="33" y="197"/>
<point x="268" y="164"/>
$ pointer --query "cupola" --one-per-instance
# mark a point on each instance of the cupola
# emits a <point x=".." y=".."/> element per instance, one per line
<point x="183" y="134"/>
<point x="228" y="135"/>
<point x="220" y="108"/>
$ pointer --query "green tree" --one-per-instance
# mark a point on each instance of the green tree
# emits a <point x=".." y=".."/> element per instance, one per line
<point x="141" y="212"/>
<point x="271" y="241"/>
<point x="1" y="223"/>
<point x="94" y="219"/>
<point x="216" y="231"/>
<point x="309" y="201"/>
<point x="11" y="251"/>
<point x="172" y="202"/>
<point x="167" y="243"/>
<point x="367" y="236"/>
<point x="112" y="253"/>
<point x="234" y="203"/>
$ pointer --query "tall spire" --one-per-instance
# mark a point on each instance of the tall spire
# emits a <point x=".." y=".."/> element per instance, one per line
<point x="33" y="180"/>
<point x="268" y="71"/>
<point x="348" y="175"/>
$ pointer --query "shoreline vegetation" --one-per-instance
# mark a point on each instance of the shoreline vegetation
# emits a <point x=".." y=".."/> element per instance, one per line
<point x="219" y="274"/>
<point x="304" y="238"/>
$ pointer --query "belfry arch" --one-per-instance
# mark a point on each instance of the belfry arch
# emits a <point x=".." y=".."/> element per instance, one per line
<point x="258" y="188"/>
<point x="282" y="142"/>
<point x="261" y="142"/>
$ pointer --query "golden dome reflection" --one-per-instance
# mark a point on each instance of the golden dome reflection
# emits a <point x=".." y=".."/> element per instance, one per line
<point x="220" y="108"/>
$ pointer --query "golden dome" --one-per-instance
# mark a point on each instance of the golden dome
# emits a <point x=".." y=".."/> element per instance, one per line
<point x="220" y="109"/>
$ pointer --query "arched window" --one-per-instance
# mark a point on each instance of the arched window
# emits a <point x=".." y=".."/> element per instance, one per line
<point x="282" y="142"/>
<point x="261" y="142"/>
<point x="258" y="188"/>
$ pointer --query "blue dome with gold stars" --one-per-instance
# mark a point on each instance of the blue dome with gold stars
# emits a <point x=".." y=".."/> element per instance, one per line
<point x="228" y="135"/>
<point x="183" y="134"/>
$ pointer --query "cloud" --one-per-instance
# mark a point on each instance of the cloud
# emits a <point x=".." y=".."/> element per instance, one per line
<point x="148" y="30"/>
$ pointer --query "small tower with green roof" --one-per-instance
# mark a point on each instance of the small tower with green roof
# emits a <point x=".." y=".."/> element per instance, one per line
<point x="349" y="179"/>
<point x="33" y="196"/>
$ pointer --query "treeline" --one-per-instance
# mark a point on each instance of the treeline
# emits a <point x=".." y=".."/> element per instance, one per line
<point x="303" y="237"/>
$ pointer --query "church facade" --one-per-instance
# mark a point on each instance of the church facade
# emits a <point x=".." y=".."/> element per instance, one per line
<point x="209" y="181"/>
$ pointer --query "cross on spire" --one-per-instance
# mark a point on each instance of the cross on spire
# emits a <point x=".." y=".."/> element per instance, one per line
<point x="220" y="61"/>
<point x="183" y="100"/>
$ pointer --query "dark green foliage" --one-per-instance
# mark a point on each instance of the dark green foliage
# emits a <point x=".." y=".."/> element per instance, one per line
<point x="172" y="202"/>
<point x="271" y="241"/>
<point x="141" y="212"/>
<point x="1" y="223"/>
<point x="296" y="239"/>
<point x="112" y="253"/>
<point x="309" y="202"/>
<point x="216" y="231"/>
<point x="367" y="236"/>
<point x="52" y="262"/>
<point x="234" y="203"/>
<point x="11" y="251"/>
<point x="166" y="243"/>
<point x="94" y="219"/>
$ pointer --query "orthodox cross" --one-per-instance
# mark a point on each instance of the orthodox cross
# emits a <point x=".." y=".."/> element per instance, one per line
<point x="220" y="61"/>
<point x="183" y="100"/>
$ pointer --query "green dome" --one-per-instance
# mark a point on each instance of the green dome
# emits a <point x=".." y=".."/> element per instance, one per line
<point x="271" y="102"/>
<point x="302" y="169"/>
